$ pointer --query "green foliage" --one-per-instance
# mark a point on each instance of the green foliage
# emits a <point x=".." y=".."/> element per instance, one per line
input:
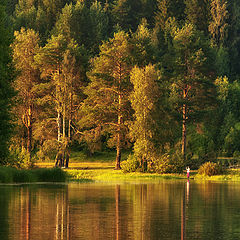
<point x="167" y="163"/>
<point x="210" y="169"/>
<point x="20" y="158"/>
<point x="13" y="175"/>
<point x="144" y="103"/>
<point x="218" y="24"/>
<point x="47" y="150"/>
<point x="132" y="164"/>
<point x="173" y="35"/>
<point x="107" y="104"/>
<point x="50" y="175"/>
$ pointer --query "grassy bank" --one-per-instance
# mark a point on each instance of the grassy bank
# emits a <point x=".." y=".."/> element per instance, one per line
<point x="97" y="171"/>
<point x="111" y="175"/>
<point x="13" y="175"/>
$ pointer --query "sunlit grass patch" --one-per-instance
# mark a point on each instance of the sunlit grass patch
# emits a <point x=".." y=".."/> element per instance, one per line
<point x="111" y="175"/>
<point x="230" y="175"/>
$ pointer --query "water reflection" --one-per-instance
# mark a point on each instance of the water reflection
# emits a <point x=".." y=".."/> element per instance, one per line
<point x="162" y="210"/>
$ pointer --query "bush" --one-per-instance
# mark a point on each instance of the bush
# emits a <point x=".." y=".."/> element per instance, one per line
<point x="50" y="175"/>
<point x="6" y="175"/>
<point x="161" y="164"/>
<point x="13" y="175"/>
<point x="20" y="158"/>
<point x="48" y="150"/>
<point x="167" y="163"/>
<point x="210" y="169"/>
<point x="131" y="164"/>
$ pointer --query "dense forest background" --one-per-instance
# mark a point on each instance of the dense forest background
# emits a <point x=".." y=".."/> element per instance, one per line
<point x="158" y="77"/>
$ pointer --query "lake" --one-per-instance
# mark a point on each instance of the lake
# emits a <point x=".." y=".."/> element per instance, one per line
<point x="163" y="209"/>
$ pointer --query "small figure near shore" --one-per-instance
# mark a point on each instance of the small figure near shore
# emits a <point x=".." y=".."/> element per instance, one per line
<point x="188" y="172"/>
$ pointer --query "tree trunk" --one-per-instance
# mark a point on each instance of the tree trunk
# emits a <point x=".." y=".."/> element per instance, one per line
<point x="119" y="134"/>
<point x="70" y="118"/>
<point x="184" y="125"/>
<point x="118" y="157"/>
<point x="64" y="122"/>
<point x="184" y="133"/>
<point x="29" y="139"/>
<point x="69" y="129"/>
<point x="59" y="124"/>
<point x="29" y="132"/>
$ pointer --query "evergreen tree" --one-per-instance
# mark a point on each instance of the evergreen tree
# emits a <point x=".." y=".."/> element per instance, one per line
<point x="6" y="92"/>
<point x="197" y="13"/>
<point x="193" y="89"/>
<point x="126" y="14"/>
<point x="107" y="104"/>
<point x="233" y="40"/>
<point x="143" y="51"/>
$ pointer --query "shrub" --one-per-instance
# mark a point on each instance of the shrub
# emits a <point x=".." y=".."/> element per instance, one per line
<point x="167" y="163"/>
<point x="23" y="176"/>
<point x="6" y="175"/>
<point x="48" y="150"/>
<point x="210" y="169"/>
<point x="20" y="158"/>
<point x="161" y="164"/>
<point x="14" y="175"/>
<point x="50" y="175"/>
<point x="131" y="164"/>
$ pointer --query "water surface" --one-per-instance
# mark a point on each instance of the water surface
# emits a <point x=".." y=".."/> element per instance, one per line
<point x="160" y="210"/>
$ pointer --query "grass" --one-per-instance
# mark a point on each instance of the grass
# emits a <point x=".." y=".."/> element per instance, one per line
<point x="230" y="175"/>
<point x="13" y="175"/>
<point x="99" y="167"/>
<point x="111" y="175"/>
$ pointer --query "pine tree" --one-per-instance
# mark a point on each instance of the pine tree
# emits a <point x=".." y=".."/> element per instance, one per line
<point x="107" y="104"/>
<point x="6" y="91"/>
<point x="197" y="13"/>
<point x="126" y="14"/>
<point x="193" y="90"/>
<point x="143" y="51"/>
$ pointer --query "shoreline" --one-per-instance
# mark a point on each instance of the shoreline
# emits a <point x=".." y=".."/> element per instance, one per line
<point x="97" y="172"/>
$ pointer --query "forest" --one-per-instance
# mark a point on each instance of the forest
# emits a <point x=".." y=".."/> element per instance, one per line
<point x="159" y="78"/>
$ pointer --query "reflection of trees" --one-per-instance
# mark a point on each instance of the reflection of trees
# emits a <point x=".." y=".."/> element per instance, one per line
<point x="32" y="212"/>
<point x="117" y="199"/>
<point x="4" y="215"/>
<point x="166" y="210"/>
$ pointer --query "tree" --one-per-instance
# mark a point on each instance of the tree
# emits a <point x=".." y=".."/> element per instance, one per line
<point x="142" y="51"/>
<point x="144" y="98"/>
<point x="6" y="91"/>
<point x="59" y="73"/>
<point x="193" y="88"/>
<point x="107" y="104"/>
<point x="126" y="14"/>
<point x="38" y="15"/>
<point x="233" y="40"/>
<point x="197" y="13"/>
<point x="25" y="47"/>
<point x="218" y="23"/>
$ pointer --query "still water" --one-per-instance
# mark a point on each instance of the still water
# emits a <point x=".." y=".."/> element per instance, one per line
<point x="160" y="210"/>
